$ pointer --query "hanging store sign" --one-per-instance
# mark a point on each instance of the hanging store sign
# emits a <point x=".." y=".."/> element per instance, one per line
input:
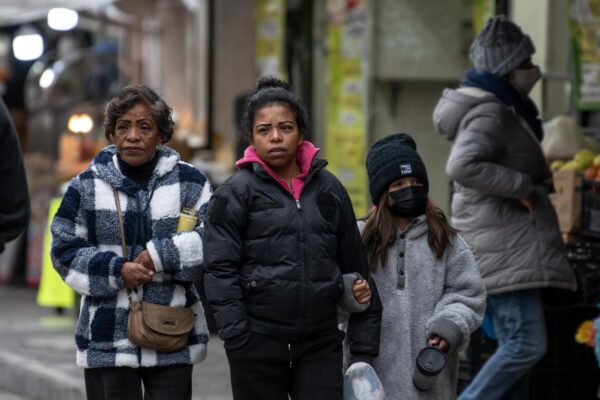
<point x="346" y="138"/>
<point x="270" y="38"/>
<point x="482" y="11"/>
<point x="585" y="42"/>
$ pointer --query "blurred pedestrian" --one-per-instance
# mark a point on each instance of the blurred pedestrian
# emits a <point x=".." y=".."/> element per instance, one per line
<point x="153" y="187"/>
<point x="430" y="288"/>
<point x="279" y="234"/>
<point x="14" y="202"/>
<point x="501" y="203"/>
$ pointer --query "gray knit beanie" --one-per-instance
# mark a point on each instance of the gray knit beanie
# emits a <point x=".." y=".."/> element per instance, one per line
<point x="500" y="47"/>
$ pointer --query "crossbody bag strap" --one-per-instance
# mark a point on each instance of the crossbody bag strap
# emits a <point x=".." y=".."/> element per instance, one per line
<point x="122" y="229"/>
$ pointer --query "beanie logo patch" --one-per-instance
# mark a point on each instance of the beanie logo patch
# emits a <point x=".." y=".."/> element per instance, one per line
<point x="405" y="169"/>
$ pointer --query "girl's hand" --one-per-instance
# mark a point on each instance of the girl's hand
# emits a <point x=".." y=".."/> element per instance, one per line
<point x="438" y="342"/>
<point x="361" y="291"/>
<point x="135" y="274"/>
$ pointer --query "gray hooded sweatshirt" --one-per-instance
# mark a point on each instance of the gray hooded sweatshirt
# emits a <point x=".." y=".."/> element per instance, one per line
<point x="424" y="296"/>
<point x="495" y="161"/>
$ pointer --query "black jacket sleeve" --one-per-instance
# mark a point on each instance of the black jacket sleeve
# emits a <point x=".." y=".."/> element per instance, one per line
<point x="14" y="202"/>
<point x="363" y="328"/>
<point x="223" y="244"/>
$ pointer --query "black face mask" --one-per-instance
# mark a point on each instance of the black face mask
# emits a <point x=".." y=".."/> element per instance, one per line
<point x="408" y="202"/>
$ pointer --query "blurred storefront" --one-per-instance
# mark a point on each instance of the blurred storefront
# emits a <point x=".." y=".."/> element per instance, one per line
<point x="57" y="94"/>
<point x="52" y="70"/>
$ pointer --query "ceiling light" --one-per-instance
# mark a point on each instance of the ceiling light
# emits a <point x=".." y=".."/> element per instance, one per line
<point x="27" y="44"/>
<point x="62" y="19"/>
<point x="80" y="123"/>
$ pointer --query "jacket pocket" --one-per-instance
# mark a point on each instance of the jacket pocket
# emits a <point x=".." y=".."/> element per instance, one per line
<point x="256" y="291"/>
<point x="328" y="206"/>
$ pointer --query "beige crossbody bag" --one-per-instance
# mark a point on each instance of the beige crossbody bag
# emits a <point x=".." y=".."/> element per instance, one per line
<point x="154" y="326"/>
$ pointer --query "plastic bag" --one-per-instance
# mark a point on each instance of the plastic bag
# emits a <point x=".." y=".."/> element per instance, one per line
<point x="362" y="383"/>
<point x="562" y="138"/>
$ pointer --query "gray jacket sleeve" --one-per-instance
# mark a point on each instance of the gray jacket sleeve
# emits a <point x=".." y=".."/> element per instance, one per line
<point x="473" y="160"/>
<point x="14" y="202"/>
<point x="460" y="310"/>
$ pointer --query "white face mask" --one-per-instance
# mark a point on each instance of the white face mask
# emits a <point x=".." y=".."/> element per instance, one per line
<point x="525" y="79"/>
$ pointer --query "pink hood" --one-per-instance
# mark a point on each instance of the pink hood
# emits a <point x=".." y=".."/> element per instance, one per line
<point x="305" y="155"/>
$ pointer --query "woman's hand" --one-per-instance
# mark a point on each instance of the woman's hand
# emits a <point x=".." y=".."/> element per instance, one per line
<point x="145" y="259"/>
<point x="527" y="203"/>
<point x="361" y="291"/>
<point x="439" y="342"/>
<point x="135" y="274"/>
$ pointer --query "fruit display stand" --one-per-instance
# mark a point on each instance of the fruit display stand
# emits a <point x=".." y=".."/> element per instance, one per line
<point x="577" y="204"/>
<point x="577" y="193"/>
<point x="567" y="200"/>
<point x="569" y="370"/>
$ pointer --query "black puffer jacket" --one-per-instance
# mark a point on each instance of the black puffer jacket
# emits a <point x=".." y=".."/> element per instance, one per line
<point x="273" y="264"/>
<point x="14" y="202"/>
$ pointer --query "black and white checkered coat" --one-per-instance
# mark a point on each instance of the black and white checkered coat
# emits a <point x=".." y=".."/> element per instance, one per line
<point x="86" y="252"/>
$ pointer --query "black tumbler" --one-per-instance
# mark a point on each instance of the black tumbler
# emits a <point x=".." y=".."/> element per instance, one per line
<point x="429" y="364"/>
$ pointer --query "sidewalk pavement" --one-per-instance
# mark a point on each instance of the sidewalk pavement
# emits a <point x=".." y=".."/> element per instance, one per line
<point x="37" y="354"/>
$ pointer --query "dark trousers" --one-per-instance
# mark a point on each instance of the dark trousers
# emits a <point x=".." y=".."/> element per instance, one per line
<point x="269" y="369"/>
<point x="173" y="382"/>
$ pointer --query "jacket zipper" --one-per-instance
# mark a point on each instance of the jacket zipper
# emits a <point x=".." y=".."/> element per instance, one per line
<point x="303" y="257"/>
<point x="536" y="142"/>
<point x="290" y="351"/>
<point x="304" y="266"/>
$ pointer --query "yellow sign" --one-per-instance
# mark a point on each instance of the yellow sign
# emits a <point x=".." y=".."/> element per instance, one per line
<point x="585" y="31"/>
<point x="346" y="98"/>
<point x="270" y="37"/>
<point x="482" y="11"/>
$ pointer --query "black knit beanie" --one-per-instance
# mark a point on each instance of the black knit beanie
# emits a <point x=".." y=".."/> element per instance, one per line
<point x="392" y="158"/>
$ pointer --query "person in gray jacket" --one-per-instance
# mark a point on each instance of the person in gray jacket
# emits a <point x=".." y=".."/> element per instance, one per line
<point x="428" y="282"/>
<point x="501" y="203"/>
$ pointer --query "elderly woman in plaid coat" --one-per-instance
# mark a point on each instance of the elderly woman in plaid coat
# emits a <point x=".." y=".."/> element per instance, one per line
<point x="161" y="264"/>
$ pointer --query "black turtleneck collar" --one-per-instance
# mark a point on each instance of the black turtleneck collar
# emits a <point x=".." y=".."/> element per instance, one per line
<point x="140" y="174"/>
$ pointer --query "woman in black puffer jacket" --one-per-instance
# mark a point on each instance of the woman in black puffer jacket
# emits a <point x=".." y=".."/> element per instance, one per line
<point x="279" y="235"/>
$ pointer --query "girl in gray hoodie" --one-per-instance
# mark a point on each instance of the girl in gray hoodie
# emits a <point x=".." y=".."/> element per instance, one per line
<point x="428" y="281"/>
